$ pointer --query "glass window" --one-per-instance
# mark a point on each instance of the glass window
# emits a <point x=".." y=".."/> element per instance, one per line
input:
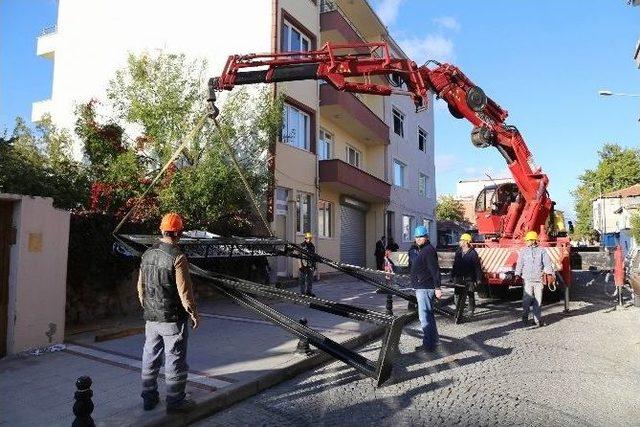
<point x="293" y="40"/>
<point x="282" y="197"/>
<point x="407" y="228"/>
<point x="353" y="156"/>
<point x="303" y="213"/>
<point x="422" y="185"/>
<point x="398" y="173"/>
<point x="325" y="146"/>
<point x="398" y="122"/>
<point x="427" y="224"/>
<point x="422" y="139"/>
<point x="325" y="219"/>
<point x="295" y="127"/>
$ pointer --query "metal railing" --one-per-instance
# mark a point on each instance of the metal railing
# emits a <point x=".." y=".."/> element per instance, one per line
<point x="330" y="6"/>
<point x="49" y="30"/>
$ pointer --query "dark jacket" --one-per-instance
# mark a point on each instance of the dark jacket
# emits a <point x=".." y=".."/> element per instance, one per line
<point x="424" y="268"/>
<point x="309" y="247"/>
<point x="161" y="300"/>
<point x="466" y="266"/>
<point x="379" y="252"/>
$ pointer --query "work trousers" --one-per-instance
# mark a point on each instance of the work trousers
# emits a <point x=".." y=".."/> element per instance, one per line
<point x="305" y="280"/>
<point x="166" y="340"/>
<point x="532" y="294"/>
<point x="426" y="299"/>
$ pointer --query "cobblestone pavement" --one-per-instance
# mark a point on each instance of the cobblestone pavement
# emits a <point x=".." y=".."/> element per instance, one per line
<point x="580" y="369"/>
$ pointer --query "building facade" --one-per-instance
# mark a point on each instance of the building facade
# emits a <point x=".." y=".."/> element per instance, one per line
<point x="339" y="154"/>
<point x="612" y="214"/>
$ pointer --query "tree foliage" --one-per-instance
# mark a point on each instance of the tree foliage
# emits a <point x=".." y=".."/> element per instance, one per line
<point x="448" y="208"/>
<point x="635" y="226"/>
<point x="40" y="163"/>
<point x="617" y="168"/>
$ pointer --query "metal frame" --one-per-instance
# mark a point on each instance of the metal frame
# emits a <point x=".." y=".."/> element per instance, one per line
<point x="245" y="292"/>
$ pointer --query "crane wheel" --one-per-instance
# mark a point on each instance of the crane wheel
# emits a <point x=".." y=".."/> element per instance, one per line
<point x="476" y="99"/>
<point x="482" y="137"/>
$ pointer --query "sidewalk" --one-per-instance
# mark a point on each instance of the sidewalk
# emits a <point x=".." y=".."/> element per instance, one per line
<point x="233" y="355"/>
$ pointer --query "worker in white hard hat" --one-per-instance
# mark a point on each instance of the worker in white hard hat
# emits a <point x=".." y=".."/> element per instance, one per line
<point x="533" y="266"/>
<point x="466" y="272"/>
<point x="307" y="267"/>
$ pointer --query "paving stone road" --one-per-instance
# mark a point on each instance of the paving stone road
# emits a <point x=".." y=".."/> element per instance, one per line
<point x="580" y="369"/>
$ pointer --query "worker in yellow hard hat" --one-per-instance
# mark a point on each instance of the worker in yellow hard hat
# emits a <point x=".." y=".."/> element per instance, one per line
<point x="165" y="291"/>
<point x="466" y="273"/>
<point x="534" y="264"/>
<point x="307" y="267"/>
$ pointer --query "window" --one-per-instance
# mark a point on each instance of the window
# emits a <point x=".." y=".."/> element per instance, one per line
<point x="303" y="213"/>
<point x="325" y="219"/>
<point x="422" y="184"/>
<point x="427" y="224"/>
<point x="293" y="40"/>
<point x="398" y="122"/>
<point x="407" y="228"/>
<point x="325" y="145"/>
<point x="391" y="223"/>
<point x="398" y="173"/>
<point x="295" y="127"/>
<point x="422" y="139"/>
<point x="282" y="197"/>
<point x="353" y="156"/>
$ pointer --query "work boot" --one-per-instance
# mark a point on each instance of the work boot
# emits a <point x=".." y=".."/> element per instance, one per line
<point x="525" y="320"/>
<point x="539" y="324"/>
<point x="185" y="405"/>
<point x="150" y="401"/>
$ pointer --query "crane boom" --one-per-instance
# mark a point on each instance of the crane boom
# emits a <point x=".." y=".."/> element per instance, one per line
<point x="528" y="211"/>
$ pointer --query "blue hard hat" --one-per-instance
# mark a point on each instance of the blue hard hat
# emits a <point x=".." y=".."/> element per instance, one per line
<point x="421" y="231"/>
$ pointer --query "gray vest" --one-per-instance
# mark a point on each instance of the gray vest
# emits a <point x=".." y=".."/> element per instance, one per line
<point x="161" y="300"/>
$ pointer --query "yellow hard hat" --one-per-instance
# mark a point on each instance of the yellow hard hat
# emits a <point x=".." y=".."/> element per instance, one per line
<point x="466" y="237"/>
<point x="531" y="235"/>
<point x="308" y="235"/>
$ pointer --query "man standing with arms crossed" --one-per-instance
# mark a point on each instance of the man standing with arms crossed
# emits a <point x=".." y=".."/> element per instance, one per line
<point x="166" y="295"/>
<point x="425" y="278"/>
<point x="532" y="266"/>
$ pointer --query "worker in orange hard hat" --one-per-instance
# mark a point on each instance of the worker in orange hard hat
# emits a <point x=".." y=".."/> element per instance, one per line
<point x="165" y="291"/>
<point x="533" y="266"/>
<point x="307" y="266"/>
<point x="466" y="274"/>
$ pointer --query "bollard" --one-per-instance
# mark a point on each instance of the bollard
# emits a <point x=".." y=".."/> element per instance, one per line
<point x="303" y="344"/>
<point x="390" y="304"/>
<point x="83" y="406"/>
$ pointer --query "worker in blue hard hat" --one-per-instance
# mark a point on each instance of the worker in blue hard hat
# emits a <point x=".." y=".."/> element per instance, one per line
<point x="425" y="279"/>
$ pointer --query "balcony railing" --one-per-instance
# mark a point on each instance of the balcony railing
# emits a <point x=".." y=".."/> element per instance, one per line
<point x="49" y="30"/>
<point x="329" y="6"/>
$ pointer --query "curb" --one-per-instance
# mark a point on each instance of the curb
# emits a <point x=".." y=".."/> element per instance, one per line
<point x="237" y="392"/>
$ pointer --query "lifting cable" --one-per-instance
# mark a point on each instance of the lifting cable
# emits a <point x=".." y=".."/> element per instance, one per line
<point x="196" y="129"/>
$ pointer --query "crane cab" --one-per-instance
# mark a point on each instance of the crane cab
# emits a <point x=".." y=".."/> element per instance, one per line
<point x="494" y="206"/>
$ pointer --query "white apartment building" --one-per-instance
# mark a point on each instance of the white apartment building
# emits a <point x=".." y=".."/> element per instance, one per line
<point x="335" y="169"/>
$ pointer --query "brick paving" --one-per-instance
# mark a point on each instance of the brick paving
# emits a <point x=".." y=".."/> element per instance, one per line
<point x="580" y="369"/>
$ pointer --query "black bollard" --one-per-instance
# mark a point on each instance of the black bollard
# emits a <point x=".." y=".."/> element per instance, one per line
<point x="83" y="406"/>
<point x="303" y="344"/>
<point x="390" y="304"/>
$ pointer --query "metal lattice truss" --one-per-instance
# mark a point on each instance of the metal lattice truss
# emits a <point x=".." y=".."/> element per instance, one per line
<point x="246" y="293"/>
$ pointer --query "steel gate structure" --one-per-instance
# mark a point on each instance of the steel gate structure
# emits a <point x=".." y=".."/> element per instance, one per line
<point x="247" y="293"/>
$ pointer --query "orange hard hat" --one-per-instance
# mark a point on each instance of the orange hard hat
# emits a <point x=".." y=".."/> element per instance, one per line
<point x="171" y="222"/>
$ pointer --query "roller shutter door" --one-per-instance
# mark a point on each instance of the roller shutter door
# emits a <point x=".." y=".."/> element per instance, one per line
<point x="352" y="236"/>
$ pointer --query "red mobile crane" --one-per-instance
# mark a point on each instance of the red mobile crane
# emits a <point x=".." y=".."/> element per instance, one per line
<point x="505" y="213"/>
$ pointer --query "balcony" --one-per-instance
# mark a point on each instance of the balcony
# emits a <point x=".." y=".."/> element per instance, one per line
<point x="47" y="43"/>
<point x="336" y="28"/>
<point x="346" y="179"/>
<point x="348" y="112"/>
<point x="39" y="109"/>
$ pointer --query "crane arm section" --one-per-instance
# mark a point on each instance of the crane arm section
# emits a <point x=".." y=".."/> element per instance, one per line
<point x="405" y="77"/>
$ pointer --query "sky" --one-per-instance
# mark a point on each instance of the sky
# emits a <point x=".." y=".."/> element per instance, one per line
<point x="542" y="60"/>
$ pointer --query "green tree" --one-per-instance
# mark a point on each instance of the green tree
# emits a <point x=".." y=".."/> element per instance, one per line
<point x="635" y="227"/>
<point x="39" y="163"/>
<point x="448" y="208"/>
<point x="617" y="168"/>
<point x="162" y="97"/>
